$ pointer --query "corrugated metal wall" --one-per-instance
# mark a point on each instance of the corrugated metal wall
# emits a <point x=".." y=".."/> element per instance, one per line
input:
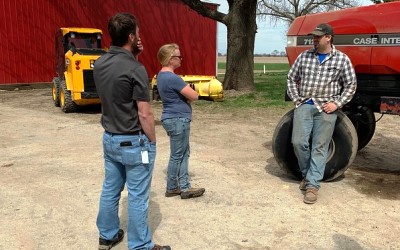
<point x="27" y="34"/>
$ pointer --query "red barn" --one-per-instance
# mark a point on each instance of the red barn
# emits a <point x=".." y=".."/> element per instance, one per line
<point x="28" y="28"/>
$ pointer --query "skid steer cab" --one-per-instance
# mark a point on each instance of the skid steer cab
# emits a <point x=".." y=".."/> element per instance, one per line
<point x="208" y="87"/>
<point x="76" y="51"/>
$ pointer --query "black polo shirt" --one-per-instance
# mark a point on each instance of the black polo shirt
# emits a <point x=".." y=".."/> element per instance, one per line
<point x="120" y="81"/>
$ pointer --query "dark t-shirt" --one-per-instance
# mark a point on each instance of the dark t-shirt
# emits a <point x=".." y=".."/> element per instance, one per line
<point x="120" y="81"/>
<point x="175" y="105"/>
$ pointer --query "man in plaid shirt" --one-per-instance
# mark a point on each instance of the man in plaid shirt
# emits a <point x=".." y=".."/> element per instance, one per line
<point x="319" y="83"/>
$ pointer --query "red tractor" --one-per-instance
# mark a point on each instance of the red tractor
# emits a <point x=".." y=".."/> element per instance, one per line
<point x="370" y="36"/>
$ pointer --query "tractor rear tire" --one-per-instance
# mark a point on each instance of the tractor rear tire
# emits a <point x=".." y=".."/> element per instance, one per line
<point x="55" y="91"/>
<point x="364" y="122"/>
<point x="66" y="103"/>
<point x="341" y="153"/>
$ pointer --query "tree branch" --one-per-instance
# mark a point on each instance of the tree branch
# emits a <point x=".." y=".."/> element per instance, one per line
<point x="202" y="8"/>
<point x="288" y="10"/>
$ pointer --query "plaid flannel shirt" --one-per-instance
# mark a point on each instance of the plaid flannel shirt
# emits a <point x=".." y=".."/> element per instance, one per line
<point x="333" y="80"/>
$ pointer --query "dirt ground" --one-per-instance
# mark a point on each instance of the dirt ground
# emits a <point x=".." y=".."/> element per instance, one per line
<point x="51" y="170"/>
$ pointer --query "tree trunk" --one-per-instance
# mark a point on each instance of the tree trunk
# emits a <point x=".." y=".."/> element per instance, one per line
<point x="242" y="28"/>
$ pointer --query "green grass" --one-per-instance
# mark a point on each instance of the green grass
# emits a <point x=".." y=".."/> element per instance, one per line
<point x="260" y="66"/>
<point x="270" y="90"/>
<point x="271" y="66"/>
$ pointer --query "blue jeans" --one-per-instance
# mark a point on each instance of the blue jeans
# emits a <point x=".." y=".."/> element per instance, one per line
<point x="309" y="122"/>
<point x="123" y="164"/>
<point x="178" y="130"/>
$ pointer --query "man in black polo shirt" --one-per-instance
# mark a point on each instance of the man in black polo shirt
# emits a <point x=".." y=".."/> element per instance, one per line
<point x="129" y="141"/>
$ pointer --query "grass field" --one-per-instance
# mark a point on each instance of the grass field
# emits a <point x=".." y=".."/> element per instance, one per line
<point x="270" y="86"/>
<point x="261" y="59"/>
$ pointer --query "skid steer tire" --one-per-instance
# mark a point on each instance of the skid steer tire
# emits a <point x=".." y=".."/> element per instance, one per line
<point x="66" y="103"/>
<point x="55" y="91"/>
<point x="341" y="153"/>
<point x="364" y="122"/>
<point x="155" y="94"/>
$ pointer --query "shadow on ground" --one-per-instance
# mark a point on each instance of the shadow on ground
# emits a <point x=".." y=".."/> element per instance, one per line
<point x="373" y="181"/>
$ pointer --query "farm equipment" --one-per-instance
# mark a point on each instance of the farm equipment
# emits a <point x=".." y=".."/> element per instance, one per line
<point x="208" y="87"/>
<point x="76" y="51"/>
<point x="370" y="36"/>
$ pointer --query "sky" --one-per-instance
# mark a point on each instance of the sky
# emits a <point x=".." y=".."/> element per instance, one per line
<point x="268" y="38"/>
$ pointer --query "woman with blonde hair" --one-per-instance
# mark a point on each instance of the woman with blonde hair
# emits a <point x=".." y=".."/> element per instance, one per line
<point x="176" y="116"/>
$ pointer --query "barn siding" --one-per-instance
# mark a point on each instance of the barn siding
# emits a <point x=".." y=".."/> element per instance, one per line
<point x="28" y="27"/>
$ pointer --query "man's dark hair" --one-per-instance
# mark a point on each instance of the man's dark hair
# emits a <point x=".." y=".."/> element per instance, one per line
<point x="119" y="28"/>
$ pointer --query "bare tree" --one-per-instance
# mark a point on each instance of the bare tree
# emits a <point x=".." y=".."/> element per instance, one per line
<point x="241" y="27"/>
<point x="288" y="10"/>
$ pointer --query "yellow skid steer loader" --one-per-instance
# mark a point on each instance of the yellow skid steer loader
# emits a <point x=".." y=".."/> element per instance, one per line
<point x="76" y="51"/>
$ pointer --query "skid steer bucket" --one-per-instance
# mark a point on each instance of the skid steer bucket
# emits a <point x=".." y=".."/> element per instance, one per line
<point x="208" y="87"/>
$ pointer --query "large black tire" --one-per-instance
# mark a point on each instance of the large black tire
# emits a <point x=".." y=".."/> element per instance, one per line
<point x="155" y="94"/>
<point x="363" y="120"/>
<point x="342" y="149"/>
<point x="55" y="91"/>
<point x="66" y="103"/>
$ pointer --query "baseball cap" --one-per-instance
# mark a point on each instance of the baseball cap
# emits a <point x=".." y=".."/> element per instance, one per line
<point x="322" y="29"/>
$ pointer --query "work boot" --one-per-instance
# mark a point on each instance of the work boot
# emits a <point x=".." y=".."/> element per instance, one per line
<point x="311" y="196"/>
<point x="108" y="244"/>
<point x="303" y="184"/>
<point x="158" y="247"/>
<point x="192" y="193"/>
<point x="173" y="192"/>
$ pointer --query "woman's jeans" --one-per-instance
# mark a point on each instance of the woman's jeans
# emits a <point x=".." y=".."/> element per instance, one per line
<point x="308" y="121"/>
<point x="178" y="130"/>
<point x="123" y="164"/>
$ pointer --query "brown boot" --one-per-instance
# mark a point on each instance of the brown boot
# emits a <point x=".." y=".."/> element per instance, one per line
<point x="192" y="193"/>
<point x="173" y="193"/>
<point x="158" y="247"/>
<point x="303" y="184"/>
<point x="311" y="196"/>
